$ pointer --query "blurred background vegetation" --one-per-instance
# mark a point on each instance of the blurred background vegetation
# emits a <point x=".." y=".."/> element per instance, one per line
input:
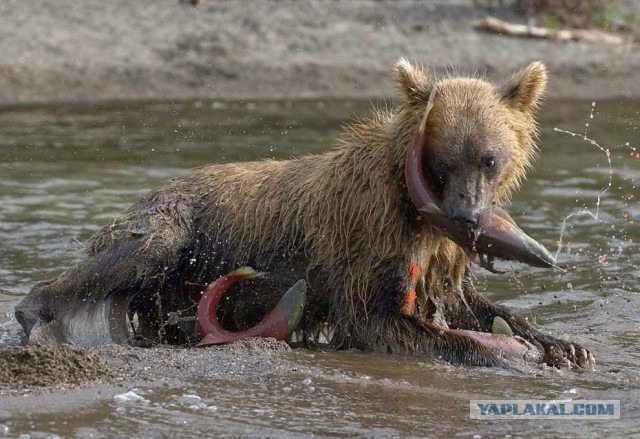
<point x="609" y="15"/>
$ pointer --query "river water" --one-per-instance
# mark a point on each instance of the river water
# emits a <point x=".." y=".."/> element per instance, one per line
<point x="67" y="170"/>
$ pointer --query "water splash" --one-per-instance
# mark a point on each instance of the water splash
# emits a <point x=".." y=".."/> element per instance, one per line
<point x="593" y="213"/>
<point x="10" y="334"/>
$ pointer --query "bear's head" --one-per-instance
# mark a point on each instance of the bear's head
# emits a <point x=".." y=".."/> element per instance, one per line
<point x="479" y="136"/>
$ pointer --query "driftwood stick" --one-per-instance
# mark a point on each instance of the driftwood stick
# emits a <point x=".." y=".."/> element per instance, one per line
<point x="495" y="25"/>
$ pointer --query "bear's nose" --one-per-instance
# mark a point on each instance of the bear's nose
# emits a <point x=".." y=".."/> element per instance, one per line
<point x="467" y="216"/>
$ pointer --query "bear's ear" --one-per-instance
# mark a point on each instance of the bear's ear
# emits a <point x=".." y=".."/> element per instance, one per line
<point x="524" y="90"/>
<point x="414" y="82"/>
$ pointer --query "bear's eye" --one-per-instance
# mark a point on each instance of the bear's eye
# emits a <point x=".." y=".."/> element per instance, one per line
<point x="442" y="169"/>
<point x="439" y="171"/>
<point x="490" y="162"/>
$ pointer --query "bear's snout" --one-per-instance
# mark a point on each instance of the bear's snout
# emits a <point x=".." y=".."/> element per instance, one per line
<point x="464" y="208"/>
<point x="468" y="217"/>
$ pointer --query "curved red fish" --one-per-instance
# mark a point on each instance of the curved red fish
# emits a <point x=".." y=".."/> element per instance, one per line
<point x="279" y="323"/>
<point x="502" y="345"/>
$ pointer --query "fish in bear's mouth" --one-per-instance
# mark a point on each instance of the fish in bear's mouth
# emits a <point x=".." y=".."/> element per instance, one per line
<point x="498" y="237"/>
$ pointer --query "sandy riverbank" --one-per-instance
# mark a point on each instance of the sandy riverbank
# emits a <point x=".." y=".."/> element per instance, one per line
<point x="157" y="49"/>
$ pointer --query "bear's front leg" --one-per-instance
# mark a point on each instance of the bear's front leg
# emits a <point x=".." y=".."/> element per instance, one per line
<point x="398" y="333"/>
<point x="480" y="317"/>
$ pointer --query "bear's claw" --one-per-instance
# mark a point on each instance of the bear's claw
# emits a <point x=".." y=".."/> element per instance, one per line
<point x="561" y="353"/>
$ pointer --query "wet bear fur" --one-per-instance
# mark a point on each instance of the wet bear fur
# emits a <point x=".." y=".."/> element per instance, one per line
<point x="341" y="220"/>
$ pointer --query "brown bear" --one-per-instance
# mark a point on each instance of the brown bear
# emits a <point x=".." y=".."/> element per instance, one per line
<point x="341" y="220"/>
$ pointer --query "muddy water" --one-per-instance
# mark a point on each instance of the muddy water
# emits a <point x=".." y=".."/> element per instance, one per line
<point x="65" y="171"/>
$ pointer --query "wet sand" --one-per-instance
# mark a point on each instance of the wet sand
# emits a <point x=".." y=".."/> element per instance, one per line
<point x="33" y="376"/>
